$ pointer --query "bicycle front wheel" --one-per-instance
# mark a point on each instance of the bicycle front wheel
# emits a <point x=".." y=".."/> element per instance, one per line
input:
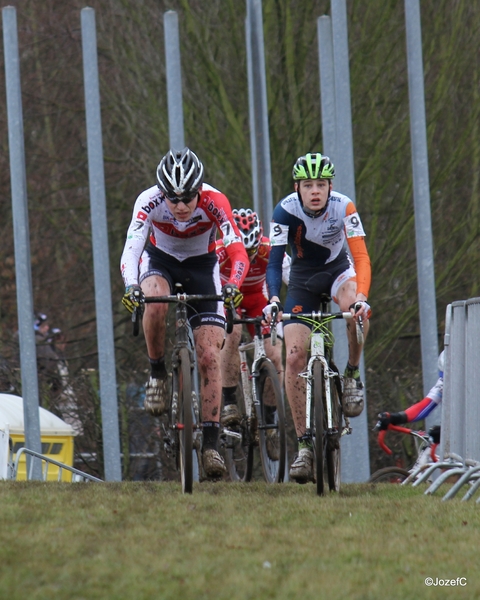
<point x="320" y="433"/>
<point x="271" y="422"/>
<point x="389" y="475"/>
<point x="238" y="444"/>
<point x="185" y="421"/>
<point x="332" y="448"/>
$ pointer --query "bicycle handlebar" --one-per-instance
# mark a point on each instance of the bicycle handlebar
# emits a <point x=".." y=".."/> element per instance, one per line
<point x="406" y="431"/>
<point x="180" y="297"/>
<point x="257" y="321"/>
<point x="317" y="315"/>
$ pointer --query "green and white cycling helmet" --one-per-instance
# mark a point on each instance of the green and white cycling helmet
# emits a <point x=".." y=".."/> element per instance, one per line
<point x="313" y="166"/>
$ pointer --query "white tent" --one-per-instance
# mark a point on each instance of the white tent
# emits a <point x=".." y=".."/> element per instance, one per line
<point x="11" y="414"/>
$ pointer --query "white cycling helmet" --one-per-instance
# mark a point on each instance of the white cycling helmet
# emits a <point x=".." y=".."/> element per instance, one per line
<point x="180" y="173"/>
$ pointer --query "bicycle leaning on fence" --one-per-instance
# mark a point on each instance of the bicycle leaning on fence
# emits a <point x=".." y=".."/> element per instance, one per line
<point x="262" y="410"/>
<point x="325" y="421"/>
<point x="425" y="450"/>
<point x="184" y="435"/>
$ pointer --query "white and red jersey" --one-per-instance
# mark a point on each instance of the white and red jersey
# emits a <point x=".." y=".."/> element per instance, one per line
<point x="153" y="220"/>
<point x="254" y="282"/>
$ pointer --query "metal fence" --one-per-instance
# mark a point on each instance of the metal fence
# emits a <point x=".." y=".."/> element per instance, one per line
<point x="460" y="403"/>
<point x="77" y="476"/>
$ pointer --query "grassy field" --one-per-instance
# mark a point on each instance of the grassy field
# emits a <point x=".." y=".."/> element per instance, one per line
<point x="228" y="541"/>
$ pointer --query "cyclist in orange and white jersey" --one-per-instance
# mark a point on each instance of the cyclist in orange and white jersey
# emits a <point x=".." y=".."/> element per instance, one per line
<point x="178" y="220"/>
<point x="254" y="294"/>
<point x="320" y="226"/>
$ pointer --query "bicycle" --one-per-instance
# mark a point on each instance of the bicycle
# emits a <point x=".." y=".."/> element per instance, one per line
<point x="263" y="414"/>
<point x="184" y="434"/>
<point x="325" y="421"/>
<point x="426" y="455"/>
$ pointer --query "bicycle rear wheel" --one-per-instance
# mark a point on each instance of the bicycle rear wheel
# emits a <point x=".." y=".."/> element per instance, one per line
<point x="333" y="453"/>
<point x="389" y="475"/>
<point x="185" y="421"/>
<point x="238" y="444"/>
<point x="320" y="433"/>
<point x="271" y="422"/>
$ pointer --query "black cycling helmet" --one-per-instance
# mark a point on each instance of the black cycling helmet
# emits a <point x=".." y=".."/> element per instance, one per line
<point x="313" y="166"/>
<point x="180" y="173"/>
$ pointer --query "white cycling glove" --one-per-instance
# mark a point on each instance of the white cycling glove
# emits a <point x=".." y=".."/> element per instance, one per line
<point x="272" y="306"/>
<point x="362" y="304"/>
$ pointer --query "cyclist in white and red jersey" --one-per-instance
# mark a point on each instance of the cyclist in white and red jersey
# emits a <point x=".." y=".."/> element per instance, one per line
<point x="254" y="293"/>
<point x="420" y="410"/>
<point x="320" y="226"/>
<point x="178" y="220"/>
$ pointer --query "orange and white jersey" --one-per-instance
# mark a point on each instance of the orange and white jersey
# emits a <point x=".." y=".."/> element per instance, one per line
<point x="317" y="241"/>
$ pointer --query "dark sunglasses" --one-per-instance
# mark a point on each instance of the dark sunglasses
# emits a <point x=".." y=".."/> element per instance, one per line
<point x="186" y="198"/>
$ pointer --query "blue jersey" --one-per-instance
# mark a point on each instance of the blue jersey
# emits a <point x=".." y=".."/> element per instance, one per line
<point x="316" y="242"/>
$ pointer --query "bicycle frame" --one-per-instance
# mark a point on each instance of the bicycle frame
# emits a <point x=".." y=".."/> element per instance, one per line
<point x="317" y="348"/>
<point x="317" y="353"/>
<point x="258" y="347"/>
<point x="257" y="428"/>
<point x="183" y="361"/>
<point x="182" y="340"/>
<point x="323" y="412"/>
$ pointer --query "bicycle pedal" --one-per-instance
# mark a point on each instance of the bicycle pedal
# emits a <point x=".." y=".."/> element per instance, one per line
<point x="230" y="433"/>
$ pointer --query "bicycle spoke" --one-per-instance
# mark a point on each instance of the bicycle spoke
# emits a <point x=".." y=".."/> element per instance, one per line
<point x="271" y="422"/>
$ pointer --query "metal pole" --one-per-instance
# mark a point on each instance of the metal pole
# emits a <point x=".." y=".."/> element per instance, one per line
<point x="174" y="80"/>
<point x="261" y="132"/>
<point x="28" y="355"/>
<point x="327" y="86"/>
<point x="251" y="118"/>
<point x="103" y="295"/>
<point x="355" y="455"/>
<point x="421" y="196"/>
<point x="453" y="408"/>
<point x="472" y="379"/>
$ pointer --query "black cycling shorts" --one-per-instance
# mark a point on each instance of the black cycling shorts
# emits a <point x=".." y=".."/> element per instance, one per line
<point x="197" y="275"/>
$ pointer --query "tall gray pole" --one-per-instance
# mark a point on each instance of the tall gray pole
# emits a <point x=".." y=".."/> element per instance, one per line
<point x="355" y="455"/>
<point x="16" y="143"/>
<point x="421" y="198"/>
<point x="327" y="86"/>
<point x="103" y="294"/>
<point x="174" y="80"/>
<point x="251" y="117"/>
<point x="260" y="108"/>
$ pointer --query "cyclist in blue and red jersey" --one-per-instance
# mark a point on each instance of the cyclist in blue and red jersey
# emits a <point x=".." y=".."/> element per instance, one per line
<point x="178" y="220"/>
<point x="419" y="410"/>
<point x="321" y="227"/>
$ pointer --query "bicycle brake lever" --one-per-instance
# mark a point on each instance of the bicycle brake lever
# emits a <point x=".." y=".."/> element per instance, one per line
<point x="135" y="321"/>
<point x="230" y="317"/>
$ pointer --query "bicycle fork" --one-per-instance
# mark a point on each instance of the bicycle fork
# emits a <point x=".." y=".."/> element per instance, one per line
<point x="318" y="354"/>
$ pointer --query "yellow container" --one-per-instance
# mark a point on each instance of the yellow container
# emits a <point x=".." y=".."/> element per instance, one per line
<point x="57" y="437"/>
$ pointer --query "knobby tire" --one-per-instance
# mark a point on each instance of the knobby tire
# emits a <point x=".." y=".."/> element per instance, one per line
<point x="333" y="453"/>
<point x="185" y="418"/>
<point x="389" y="475"/>
<point x="239" y="452"/>
<point x="267" y="382"/>
<point x="320" y="434"/>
